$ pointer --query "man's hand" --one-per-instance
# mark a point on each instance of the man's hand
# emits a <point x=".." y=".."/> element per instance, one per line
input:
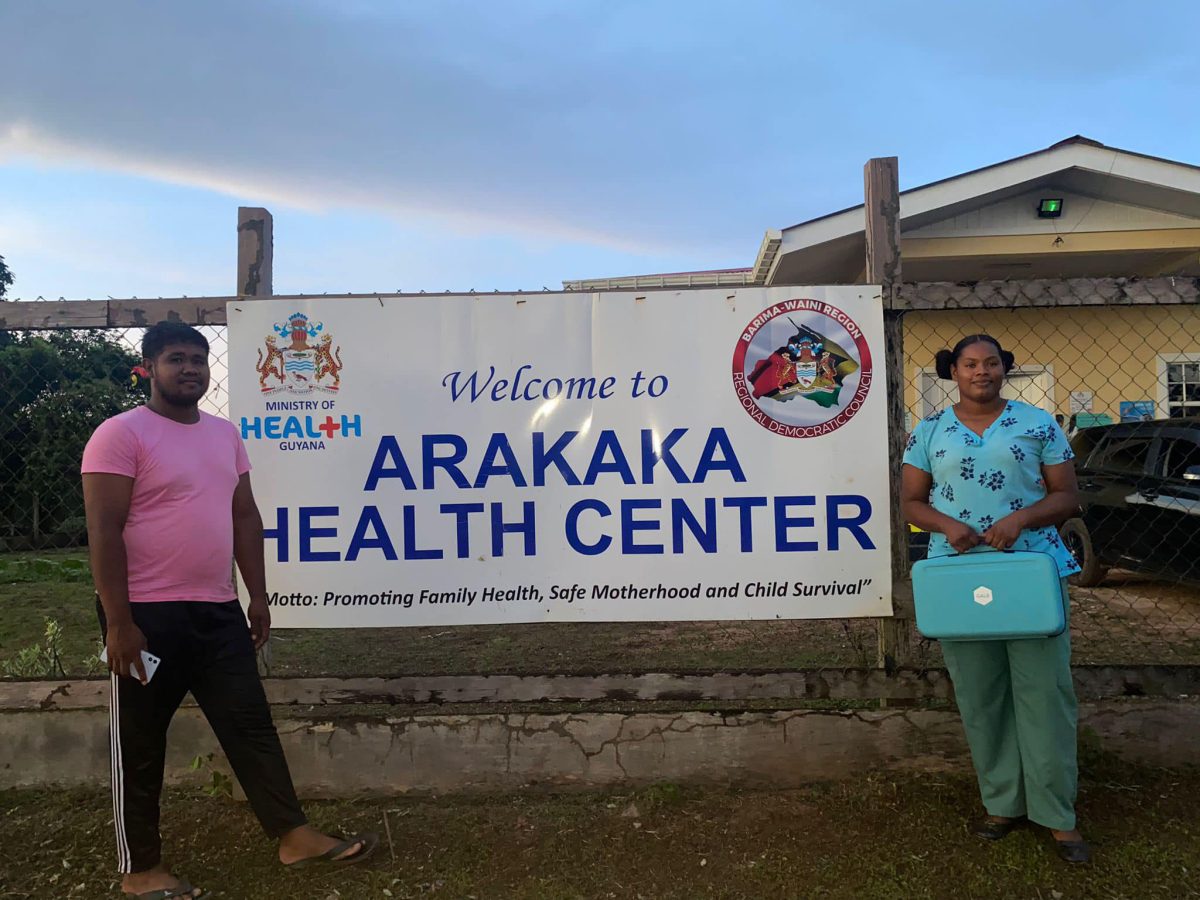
<point x="962" y="537"/>
<point x="1004" y="533"/>
<point x="259" y="615"/>
<point x="125" y="644"/>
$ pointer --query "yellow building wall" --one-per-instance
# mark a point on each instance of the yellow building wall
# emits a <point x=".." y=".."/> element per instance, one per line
<point x="1111" y="351"/>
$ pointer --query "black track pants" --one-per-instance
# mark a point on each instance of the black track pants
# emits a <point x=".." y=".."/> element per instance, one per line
<point x="205" y="648"/>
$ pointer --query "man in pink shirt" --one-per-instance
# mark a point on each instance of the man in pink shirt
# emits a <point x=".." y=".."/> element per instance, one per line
<point x="169" y="509"/>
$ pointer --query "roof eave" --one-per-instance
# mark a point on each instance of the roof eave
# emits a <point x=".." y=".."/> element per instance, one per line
<point x="1082" y="154"/>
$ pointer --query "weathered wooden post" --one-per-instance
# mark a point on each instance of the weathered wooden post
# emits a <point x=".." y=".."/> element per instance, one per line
<point x="882" y="230"/>
<point x="255" y="259"/>
<point x="256" y="247"/>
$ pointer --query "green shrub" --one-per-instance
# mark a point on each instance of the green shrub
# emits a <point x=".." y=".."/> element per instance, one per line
<point x="42" y="660"/>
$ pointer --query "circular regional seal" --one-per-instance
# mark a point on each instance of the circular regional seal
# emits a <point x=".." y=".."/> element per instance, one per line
<point x="802" y="368"/>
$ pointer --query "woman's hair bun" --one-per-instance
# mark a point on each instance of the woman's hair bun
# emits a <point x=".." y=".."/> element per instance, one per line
<point x="946" y="359"/>
<point x="943" y="360"/>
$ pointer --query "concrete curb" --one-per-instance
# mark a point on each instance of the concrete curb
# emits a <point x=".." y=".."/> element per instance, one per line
<point x="380" y="755"/>
<point x="1091" y="683"/>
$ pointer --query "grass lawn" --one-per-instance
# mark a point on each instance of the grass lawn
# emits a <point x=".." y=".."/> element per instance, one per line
<point x="34" y="586"/>
<point x="1134" y="622"/>
<point x="883" y="836"/>
<point x="48" y="584"/>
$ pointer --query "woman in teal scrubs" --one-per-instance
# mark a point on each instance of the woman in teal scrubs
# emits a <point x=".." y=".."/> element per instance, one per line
<point x="999" y="472"/>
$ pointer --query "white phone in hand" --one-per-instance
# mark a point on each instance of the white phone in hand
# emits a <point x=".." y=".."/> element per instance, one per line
<point x="149" y="661"/>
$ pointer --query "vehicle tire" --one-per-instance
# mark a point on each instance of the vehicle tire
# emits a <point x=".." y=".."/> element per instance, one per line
<point x="1078" y="539"/>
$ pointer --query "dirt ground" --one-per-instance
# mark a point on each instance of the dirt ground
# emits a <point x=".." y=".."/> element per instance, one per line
<point x="881" y="836"/>
<point x="1135" y="609"/>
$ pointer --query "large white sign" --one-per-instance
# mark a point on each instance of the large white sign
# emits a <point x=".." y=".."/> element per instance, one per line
<point x="449" y="460"/>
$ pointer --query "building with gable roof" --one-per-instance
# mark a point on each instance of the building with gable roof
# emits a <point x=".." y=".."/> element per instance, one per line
<point x="1077" y="209"/>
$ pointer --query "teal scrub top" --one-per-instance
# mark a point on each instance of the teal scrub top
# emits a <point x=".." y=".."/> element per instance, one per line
<point x="981" y="479"/>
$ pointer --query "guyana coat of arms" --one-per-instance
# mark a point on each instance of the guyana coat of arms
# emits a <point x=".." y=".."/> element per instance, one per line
<point x="299" y="367"/>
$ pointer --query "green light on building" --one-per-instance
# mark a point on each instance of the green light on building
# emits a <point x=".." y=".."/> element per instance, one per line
<point x="1050" y="208"/>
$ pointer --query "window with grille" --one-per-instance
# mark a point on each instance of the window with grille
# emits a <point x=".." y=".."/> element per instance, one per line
<point x="1183" y="389"/>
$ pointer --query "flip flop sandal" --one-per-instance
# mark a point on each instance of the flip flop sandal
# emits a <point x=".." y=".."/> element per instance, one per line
<point x="997" y="831"/>
<point x="183" y="890"/>
<point x="1074" y="852"/>
<point x="369" y="841"/>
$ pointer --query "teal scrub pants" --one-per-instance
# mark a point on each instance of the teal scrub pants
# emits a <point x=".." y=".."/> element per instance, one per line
<point x="1018" y="707"/>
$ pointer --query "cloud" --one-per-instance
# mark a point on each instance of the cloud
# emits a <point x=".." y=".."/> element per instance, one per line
<point x="456" y="111"/>
<point x="648" y="128"/>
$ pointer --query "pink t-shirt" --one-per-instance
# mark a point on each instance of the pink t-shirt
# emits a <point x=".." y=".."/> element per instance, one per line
<point x="179" y="533"/>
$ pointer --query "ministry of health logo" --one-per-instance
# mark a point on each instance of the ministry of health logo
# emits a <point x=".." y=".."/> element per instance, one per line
<point x="802" y="368"/>
<point x="299" y="367"/>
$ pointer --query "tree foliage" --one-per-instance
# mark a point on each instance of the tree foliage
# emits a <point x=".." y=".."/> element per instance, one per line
<point x="59" y="386"/>
<point x="6" y="278"/>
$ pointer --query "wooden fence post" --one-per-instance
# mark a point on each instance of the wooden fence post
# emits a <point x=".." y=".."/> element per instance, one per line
<point x="256" y="250"/>
<point x="255" y="259"/>
<point x="882" y="231"/>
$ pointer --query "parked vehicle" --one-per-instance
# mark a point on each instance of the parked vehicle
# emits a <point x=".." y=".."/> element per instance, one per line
<point x="1139" y="489"/>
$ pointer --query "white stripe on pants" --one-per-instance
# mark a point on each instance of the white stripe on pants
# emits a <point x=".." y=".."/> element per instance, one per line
<point x="124" y="862"/>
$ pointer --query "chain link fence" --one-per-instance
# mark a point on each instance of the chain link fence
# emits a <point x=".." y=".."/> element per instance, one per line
<point x="1124" y="383"/>
<point x="1093" y="365"/>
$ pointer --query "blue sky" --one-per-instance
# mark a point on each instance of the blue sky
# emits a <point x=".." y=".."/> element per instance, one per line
<point x="457" y="145"/>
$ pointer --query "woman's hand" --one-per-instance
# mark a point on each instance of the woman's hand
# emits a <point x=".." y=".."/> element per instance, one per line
<point x="1004" y="533"/>
<point x="962" y="537"/>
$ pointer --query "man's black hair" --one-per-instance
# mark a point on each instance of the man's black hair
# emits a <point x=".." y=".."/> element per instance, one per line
<point x="158" y="337"/>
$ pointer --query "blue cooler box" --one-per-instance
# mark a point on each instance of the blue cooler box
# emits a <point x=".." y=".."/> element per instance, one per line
<point x="989" y="595"/>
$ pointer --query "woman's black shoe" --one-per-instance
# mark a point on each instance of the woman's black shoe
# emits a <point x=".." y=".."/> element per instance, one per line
<point x="1074" y="852"/>
<point x="990" y="830"/>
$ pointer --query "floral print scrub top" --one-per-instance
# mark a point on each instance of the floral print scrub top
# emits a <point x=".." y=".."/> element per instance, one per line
<point x="981" y="479"/>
